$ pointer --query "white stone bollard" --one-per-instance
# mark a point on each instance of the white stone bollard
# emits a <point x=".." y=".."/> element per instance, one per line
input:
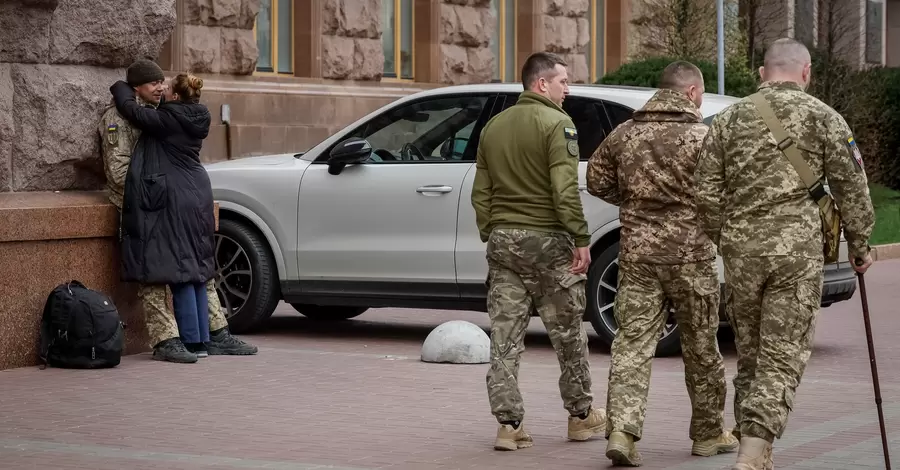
<point x="457" y="342"/>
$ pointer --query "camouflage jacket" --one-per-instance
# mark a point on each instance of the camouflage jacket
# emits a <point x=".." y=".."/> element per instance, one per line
<point x="117" y="140"/>
<point x="750" y="199"/>
<point x="646" y="167"/>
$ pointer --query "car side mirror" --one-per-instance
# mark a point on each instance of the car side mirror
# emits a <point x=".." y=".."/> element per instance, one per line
<point x="453" y="148"/>
<point x="351" y="151"/>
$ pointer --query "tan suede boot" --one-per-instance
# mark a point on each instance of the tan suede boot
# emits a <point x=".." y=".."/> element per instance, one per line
<point x="622" y="451"/>
<point x="720" y="444"/>
<point x="754" y="454"/>
<point x="584" y="429"/>
<point x="510" y="438"/>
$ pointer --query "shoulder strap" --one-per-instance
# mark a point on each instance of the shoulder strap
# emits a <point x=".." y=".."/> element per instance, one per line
<point x="787" y="145"/>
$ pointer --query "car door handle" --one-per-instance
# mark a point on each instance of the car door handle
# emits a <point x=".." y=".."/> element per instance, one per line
<point x="435" y="188"/>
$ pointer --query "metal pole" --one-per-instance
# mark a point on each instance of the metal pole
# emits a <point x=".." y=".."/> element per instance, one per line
<point x="720" y="19"/>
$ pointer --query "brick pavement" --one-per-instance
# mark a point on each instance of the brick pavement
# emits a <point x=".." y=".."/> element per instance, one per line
<point x="355" y="396"/>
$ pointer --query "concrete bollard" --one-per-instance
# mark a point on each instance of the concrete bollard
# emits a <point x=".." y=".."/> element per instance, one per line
<point x="457" y="342"/>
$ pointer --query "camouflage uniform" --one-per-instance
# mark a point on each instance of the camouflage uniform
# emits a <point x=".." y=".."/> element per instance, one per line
<point x="118" y="138"/>
<point x="753" y="204"/>
<point x="646" y="167"/>
<point x="529" y="212"/>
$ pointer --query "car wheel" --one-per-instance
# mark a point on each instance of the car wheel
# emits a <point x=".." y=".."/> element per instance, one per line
<point x="246" y="279"/>
<point x="328" y="312"/>
<point x="603" y="280"/>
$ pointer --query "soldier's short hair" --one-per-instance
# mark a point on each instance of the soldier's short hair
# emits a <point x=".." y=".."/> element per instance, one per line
<point x="786" y="54"/>
<point x="679" y="75"/>
<point x="540" y="64"/>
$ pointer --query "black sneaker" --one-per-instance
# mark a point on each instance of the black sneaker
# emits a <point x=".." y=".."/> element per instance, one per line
<point x="222" y="343"/>
<point x="173" y="350"/>
<point x="197" y="348"/>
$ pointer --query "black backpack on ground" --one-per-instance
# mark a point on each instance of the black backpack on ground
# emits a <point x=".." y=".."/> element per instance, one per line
<point x="80" y="329"/>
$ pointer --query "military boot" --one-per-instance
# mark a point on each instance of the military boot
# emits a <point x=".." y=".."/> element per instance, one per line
<point x="622" y="451"/>
<point x="173" y="350"/>
<point x="755" y="454"/>
<point x="583" y="429"/>
<point x="510" y="438"/>
<point x="221" y="342"/>
<point x="722" y="443"/>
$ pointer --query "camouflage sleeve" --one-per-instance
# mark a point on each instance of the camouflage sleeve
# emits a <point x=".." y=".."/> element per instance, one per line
<point x="563" y="159"/>
<point x="709" y="182"/>
<point x="481" y="193"/>
<point x="849" y="186"/>
<point x="116" y="144"/>
<point x="602" y="175"/>
<point x="145" y="118"/>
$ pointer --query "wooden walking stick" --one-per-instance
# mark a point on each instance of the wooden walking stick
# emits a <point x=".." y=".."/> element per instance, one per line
<point x="865" y="309"/>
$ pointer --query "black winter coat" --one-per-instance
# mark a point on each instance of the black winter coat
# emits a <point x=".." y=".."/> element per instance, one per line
<point x="168" y="219"/>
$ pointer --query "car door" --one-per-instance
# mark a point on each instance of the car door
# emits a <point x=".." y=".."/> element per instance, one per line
<point x="593" y="125"/>
<point x="388" y="226"/>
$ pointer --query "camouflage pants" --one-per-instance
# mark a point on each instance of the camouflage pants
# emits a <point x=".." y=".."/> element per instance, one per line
<point x="772" y="304"/>
<point x="156" y="301"/>
<point x="530" y="270"/>
<point x="645" y="291"/>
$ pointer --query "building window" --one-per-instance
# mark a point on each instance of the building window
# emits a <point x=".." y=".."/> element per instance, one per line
<point x="397" y="38"/>
<point x="595" y="52"/>
<point x="503" y="44"/>
<point x="874" y="30"/>
<point x="805" y="22"/>
<point x="274" y="32"/>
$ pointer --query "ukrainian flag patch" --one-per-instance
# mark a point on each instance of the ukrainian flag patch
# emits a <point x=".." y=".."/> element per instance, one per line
<point x="570" y="133"/>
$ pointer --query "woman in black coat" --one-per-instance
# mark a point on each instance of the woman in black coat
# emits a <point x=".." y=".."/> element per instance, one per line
<point x="168" y="220"/>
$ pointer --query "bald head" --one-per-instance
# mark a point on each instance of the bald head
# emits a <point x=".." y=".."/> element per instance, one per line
<point x="787" y="60"/>
<point x="684" y="77"/>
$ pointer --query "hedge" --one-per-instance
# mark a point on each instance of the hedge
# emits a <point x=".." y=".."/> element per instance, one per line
<point x="739" y="81"/>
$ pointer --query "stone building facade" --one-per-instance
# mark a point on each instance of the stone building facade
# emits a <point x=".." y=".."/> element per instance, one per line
<point x="299" y="70"/>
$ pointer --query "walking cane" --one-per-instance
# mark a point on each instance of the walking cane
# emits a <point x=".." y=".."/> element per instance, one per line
<point x="865" y="309"/>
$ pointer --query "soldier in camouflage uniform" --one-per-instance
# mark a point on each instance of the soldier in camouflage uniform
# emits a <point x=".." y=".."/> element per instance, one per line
<point x="753" y="204"/>
<point x="529" y="212"/>
<point x="646" y="167"/>
<point x="118" y="138"/>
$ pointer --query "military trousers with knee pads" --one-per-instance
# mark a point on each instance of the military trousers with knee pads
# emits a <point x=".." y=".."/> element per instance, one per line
<point x="646" y="294"/>
<point x="530" y="270"/>
<point x="772" y="304"/>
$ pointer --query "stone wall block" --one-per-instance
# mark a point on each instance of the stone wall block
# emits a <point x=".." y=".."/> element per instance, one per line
<point x="461" y="65"/>
<point x="7" y="127"/>
<point x="56" y="145"/>
<point x="213" y="12"/>
<point x="239" y="52"/>
<point x="25" y="30"/>
<point x="202" y="49"/>
<point x="578" y="68"/>
<point x="466" y="25"/>
<point x="584" y="35"/>
<point x="560" y="34"/>
<point x="111" y="33"/>
<point x="346" y="58"/>
<point x="352" y="18"/>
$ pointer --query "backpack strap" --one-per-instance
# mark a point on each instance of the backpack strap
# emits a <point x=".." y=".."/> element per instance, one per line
<point x="787" y="146"/>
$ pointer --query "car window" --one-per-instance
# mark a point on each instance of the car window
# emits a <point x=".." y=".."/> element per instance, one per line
<point x="434" y="129"/>
<point x="617" y="113"/>
<point x="590" y="122"/>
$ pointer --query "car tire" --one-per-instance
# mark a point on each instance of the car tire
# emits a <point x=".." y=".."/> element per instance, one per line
<point x="604" y="272"/>
<point x="235" y="239"/>
<point x="328" y="312"/>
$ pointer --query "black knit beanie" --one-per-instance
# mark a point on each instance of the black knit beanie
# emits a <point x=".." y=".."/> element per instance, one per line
<point x="143" y="71"/>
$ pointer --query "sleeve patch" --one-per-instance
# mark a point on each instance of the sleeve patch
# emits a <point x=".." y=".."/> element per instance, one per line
<point x="854" y="151"/>
<point x="572" y="147"/>
<point x="570" y="133"/>
<point x="112" y="133"/>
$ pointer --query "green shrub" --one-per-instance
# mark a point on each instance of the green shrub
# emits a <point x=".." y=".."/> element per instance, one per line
<point x="739" y="80"/>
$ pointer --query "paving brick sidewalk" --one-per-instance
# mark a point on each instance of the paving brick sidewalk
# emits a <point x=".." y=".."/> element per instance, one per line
<point x="355" y="396"/>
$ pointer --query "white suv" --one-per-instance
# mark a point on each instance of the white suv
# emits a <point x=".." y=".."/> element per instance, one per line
<point x="379" y="215"/>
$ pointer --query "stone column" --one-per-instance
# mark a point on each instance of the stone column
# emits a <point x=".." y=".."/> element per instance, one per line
<point x="215" y="36"/>
<point x="57" y="61"/>
<point x="465" y="35"/>
<point x="308" y="38"/>
<point x="351" y="40"/>
<point x="618" y="16"/>
<point x="892" y="33"/>
<point x="567" y="33"/>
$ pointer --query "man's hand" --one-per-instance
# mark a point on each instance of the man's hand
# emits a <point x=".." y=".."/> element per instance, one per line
<point x="862" y="264"/>
<point x="582" y="260"/>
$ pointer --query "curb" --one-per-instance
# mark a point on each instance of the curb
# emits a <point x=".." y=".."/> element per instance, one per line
<point x="884" y="252"/>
